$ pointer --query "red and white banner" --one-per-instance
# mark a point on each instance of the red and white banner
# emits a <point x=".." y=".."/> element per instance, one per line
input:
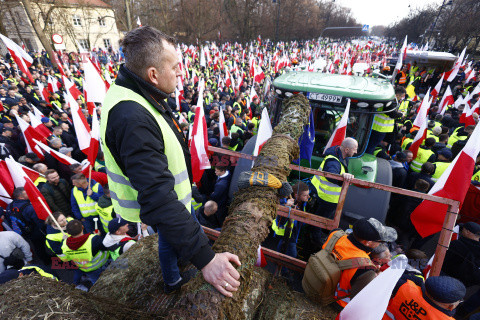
<point x="338" y="134"/>
<point x="264" y="132"/>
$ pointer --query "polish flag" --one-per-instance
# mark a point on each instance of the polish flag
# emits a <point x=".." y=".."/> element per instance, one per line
<point x="469" y="76"/>
<point x="82" y="129"/>
<point x="422" y="111"/>
<point x="401" y="55"/>
<point x="53" y="84"/>
<point x="447" y="100"/>
<point x="372" y="302"/>
<point x="199" y="142"/>
<point x="264" y="132"/>
<point x="29" y="134"/>
<point x="57" y="155"/>
<point x="177" y="100"/>
<point x="2" y="109"/>
<point x="453" y="73"/>
<point x="21" y="58"/>
<point x="94" y="86"/>
<point x="419" y="137"/>
<point x="222" y="126"/>
<point x="39" y="126"/>
<point x="71" y="87"/>
<point x="21" y="179"/>
<point x="43" y="91"/>
<point x="463" y="116"/>
<point x="94" y="138"/>
<point x="469" y="120"/>
<point x="253" y="93"/>
<point x="6" y="185"/>
<point x="428" y="267"/>
<point x="261" y="261"/>
<point x="436" y="90"/>
<point x="259" y="75"/>
<point x="338" y="134"/>
<point x="428" y="217"/>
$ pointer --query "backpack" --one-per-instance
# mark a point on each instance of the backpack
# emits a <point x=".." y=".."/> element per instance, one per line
<point x="16" y="221"/>
<point x="323" y="271"/>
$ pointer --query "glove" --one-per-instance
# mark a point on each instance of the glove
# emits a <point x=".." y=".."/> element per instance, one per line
<point x="261" y="179"/>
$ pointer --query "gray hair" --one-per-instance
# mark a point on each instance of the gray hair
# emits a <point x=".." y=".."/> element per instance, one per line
<point x="55" y="141"/>
<point x="142" y="48"/>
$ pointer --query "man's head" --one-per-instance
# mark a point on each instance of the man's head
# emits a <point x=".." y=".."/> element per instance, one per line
<point x="31" y="158"/>
<point x="400" y="156"/>
<point x="371" y="232"/>
<point x="210" y="208"/>
<point x="80" y="181"/>
<point x="349" y="147"/>
<point x="56" y="143"/>
<point x="151" y="54"/>
<point x="19" y="194"/>
<point x="400" y="93"/>
<point x="220" y="170"/>
<point x="52" y="177"/>
<point x="76" y="168"/>
<point x="409" y="156"/>
<point x="471" y="230"/>
<point x="118" y="226"/>
<point x="446" y="292"/>
<point x="57" y="131"/>
<point x="428" y="168"/>
<point x="444" y="155"/>
<point x="380" y="255"/>
<point x="421" y="186"/>
<point x="429" y="143"/>
<point x="75" y="228"/>
<point x="6" y="132"/>
<point x="40" y="168"/>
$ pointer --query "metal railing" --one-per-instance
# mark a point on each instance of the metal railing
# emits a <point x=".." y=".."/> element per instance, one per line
<point x="314" y="220"/>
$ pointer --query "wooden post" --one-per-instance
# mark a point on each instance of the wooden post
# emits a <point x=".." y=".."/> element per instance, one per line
<point x="90" y="177"/>
<point x="341" y="202"/>
<point x="445" y="237"/>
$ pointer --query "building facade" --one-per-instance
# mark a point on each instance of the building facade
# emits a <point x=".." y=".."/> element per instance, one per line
<point x="83" y="24"/>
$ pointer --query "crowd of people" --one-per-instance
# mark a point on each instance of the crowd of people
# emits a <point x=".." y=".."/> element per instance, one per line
<point x="84" y="228"/>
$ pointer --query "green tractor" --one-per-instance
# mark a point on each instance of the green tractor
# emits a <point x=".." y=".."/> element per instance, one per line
<point x="328" y="94"/>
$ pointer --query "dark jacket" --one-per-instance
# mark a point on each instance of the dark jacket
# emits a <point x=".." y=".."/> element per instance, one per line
<point x="136" y="142"/>
<point x="333" y="166"/>
<point x="220" y="196"/>
<point x="399" y="174"/>
<point x="412" y="177"/>
<point x="30" y="217"/>
<point x="58" y="197"/>
<point x="462" y="261"/>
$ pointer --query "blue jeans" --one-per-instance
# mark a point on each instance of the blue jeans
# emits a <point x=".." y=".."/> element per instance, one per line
<point x="168" y="258"/>
<point x="89" y="224"/>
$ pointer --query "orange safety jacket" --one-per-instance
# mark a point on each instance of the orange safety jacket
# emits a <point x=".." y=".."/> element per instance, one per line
<point x="409" y="303"/>
<point x="403" y="78"/>
<point x="344" y="249"/>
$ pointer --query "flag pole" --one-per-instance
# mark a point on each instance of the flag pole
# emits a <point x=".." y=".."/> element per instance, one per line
<point x="90" y="177"/>
<point x="51" y="216"/>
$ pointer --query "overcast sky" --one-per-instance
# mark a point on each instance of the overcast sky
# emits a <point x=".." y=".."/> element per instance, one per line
<point x="383" y="12"/>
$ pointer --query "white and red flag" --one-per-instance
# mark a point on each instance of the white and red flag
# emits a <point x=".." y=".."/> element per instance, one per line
<point x="6" y="185"/>
<point x="419" y="137"/>
<point x="423" y="111"/>
<point x="43" y="91"/>
<point x="71" y="88"/>
<point x="53" y="84"/>
<point x="469" y="119"/>
<point x="39" y="126"/>
<point x="94" y="138"/>
<point x="259" y="75"/>
<point x="338" y="134"/>
<point x="222" y="126"/>
<point x="21" y="180"/>
<point x="264" y="132"/>
<point x="453" y="184"/>
<point x="82" y="129"/>
<point x="447" y="100"/>
<point x="57" y="155"/>
<point x="29" y="134"/>
<point x="199" y="142"/>
<point x="450" y="75"/>
<point x="94" y="86"/>
<point x="21" y="58"/>
<point x="401" y="55"/>
<point x="436" y="90"/>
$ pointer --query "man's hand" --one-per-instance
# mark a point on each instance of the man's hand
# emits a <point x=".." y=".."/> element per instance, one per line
<point x="348" y="177"/>
<point x="221" y="274"/>
<point x="89" y="192"/>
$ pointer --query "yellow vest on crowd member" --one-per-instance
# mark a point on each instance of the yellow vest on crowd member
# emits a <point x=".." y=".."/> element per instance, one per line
<point x="327" y="190"/>
<point x="476" y="176"/>
<point x="40" y="271"/>
<point x="383" y="123"/>
<point x="105" y="215"/>
<point x="83" y="256"/>
<point x="86" y="205"/>
<point x="124" y="196"/>
<point x="55" y="237"/>
<point x="39" y="180"/>
<point x="422" y="156"/>
<point x="406" y="142"/>
<point x="440" y="168"/>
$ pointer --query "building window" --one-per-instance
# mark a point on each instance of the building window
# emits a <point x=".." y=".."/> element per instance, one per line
<point x="84" y="44"/>
<point x="106" y="43"/>
<point x="19" y="19"/>
<point x="101" y="22"/>
<point x="77" y="21"/>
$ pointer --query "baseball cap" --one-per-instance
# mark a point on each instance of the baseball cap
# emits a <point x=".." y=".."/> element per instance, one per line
<point x="445" y="289"/>
<point x="473" y="227"/>
<point x="45" y="120"/>
<point x="115" y="224"/>
<point x="65" y="150"/>
<point x="373" y="230"/>
<point x="447" y="153"/>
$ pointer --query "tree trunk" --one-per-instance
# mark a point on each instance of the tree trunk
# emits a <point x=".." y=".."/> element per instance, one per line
<point x="39" y="31"/>
<point x="249" y="220"/>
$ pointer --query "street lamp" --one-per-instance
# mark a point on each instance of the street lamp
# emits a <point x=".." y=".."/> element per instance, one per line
<point x="444" y="4"/>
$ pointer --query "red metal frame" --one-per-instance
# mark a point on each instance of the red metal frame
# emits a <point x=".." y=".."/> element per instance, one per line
<point x="314" y="220"/>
